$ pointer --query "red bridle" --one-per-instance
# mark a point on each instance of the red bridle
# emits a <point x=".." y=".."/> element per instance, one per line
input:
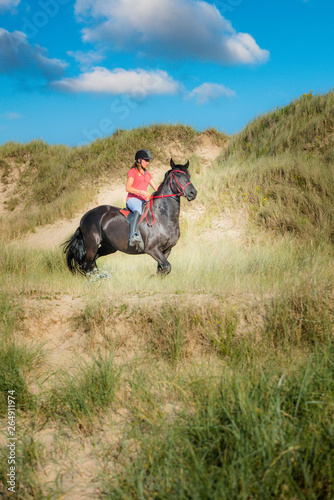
<point x="180" y="192"/>
<point x="179" y="185"/>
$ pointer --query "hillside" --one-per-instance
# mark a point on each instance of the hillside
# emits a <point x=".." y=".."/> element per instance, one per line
<point x="306" y="125"/>
<point x="41" y="183"/>
<point x="281" y="167"/>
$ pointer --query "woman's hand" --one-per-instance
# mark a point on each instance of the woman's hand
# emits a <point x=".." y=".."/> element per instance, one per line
<point x="146" y="195"/>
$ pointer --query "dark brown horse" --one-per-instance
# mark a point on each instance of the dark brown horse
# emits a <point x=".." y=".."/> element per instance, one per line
<point x="104" y="230"/>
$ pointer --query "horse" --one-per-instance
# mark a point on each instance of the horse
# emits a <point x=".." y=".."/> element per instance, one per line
<point x="104" y="230"/>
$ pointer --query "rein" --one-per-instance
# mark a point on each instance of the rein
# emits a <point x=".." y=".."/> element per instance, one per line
<point x="180" y="192"/>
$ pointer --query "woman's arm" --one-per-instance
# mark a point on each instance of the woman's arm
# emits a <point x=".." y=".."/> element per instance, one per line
<point x="129" y="188"/>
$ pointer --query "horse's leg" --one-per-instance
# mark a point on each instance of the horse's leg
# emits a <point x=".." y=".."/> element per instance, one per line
<point x="160" y="269"/>
<point x="164" y="266"/>
<point x="104" y="249"/>
<point x="91" y="251"/>
<point x="90" y="263"/>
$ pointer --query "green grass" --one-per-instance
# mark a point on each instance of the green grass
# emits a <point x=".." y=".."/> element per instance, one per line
<point x="256" y="264"/>
<point x="18" y="361"/>
<point x="20" y="260"/>
<point x="18" y="367"/>
<point x="10" y="314"/>
<point x="279" y="169"/>
<point x="28" y="456"/>
<point x="263" y="429"/>
<point x="301" y="317"/>
<point x="284" y="194"/>
<point x="304" y="125"/>
<point x="80" y="396"/>
<point x="256" y="420"/>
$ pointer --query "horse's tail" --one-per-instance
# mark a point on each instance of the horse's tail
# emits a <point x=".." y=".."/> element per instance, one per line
<point x="75" y="252"/>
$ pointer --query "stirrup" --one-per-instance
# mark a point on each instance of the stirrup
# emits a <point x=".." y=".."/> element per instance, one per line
<point x="137" y="241"/>
<point x="135" y="238"/>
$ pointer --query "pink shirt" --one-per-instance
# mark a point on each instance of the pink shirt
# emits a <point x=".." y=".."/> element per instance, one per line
<point x="141" y="182"/>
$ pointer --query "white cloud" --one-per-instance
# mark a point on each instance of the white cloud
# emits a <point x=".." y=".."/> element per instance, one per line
<point x="209" y="91"/>
<point x="7" y="4"/>
<point x="138" y="82"/>
<point x="171" y="28"/>
<point x="11" y="115"/>
<point x="17" y="55"/>
<point x="86" y="59"/>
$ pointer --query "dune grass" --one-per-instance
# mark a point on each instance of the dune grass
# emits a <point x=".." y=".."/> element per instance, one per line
<point x="279" y="169"/>
<point x="284" y="194"/>
<point x="18" y="362"/>
<point x="262" y="429"/>
<point x="257" y="264"/>
<point x="227" y="399"/>
<point x="19" y="367"/>
<point x="80" y="396"/>
<point x="29" y="453"/>
<point x="304" y="125"/>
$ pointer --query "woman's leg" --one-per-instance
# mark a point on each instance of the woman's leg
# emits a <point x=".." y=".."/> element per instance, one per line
<point x="135" y="205"/>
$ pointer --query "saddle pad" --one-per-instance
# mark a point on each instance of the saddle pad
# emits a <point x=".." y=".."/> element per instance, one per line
<point x="124" y="212"/>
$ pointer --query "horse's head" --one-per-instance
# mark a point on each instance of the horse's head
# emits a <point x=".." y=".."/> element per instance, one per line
<point x="180" y="180"/>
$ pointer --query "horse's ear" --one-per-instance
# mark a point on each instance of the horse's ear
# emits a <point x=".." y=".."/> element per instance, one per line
<point x="187" y="164"/>
<point x="172" y="164"/>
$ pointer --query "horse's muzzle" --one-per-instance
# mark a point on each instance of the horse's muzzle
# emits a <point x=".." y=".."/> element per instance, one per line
<point x="190" y="193"/>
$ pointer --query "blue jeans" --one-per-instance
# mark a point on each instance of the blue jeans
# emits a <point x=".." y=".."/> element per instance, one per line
<point x="135" y="204"/>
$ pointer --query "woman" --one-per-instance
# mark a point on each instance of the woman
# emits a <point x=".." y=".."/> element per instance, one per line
<point x="138" y="181"/>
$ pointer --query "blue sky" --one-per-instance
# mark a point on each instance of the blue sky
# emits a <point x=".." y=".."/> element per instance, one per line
<point x="72" y="71"/>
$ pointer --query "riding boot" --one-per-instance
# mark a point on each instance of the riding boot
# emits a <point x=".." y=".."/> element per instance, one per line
<point x="135" y="236"/>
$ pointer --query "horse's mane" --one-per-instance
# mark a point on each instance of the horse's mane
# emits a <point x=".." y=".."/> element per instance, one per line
<point x="162" y="185"/>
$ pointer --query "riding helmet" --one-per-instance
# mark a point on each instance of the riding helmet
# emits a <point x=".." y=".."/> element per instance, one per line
<point x="143" y="154"/>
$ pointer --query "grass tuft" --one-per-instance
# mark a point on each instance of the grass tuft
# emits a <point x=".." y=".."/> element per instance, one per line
<point x="83" y="395"/>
